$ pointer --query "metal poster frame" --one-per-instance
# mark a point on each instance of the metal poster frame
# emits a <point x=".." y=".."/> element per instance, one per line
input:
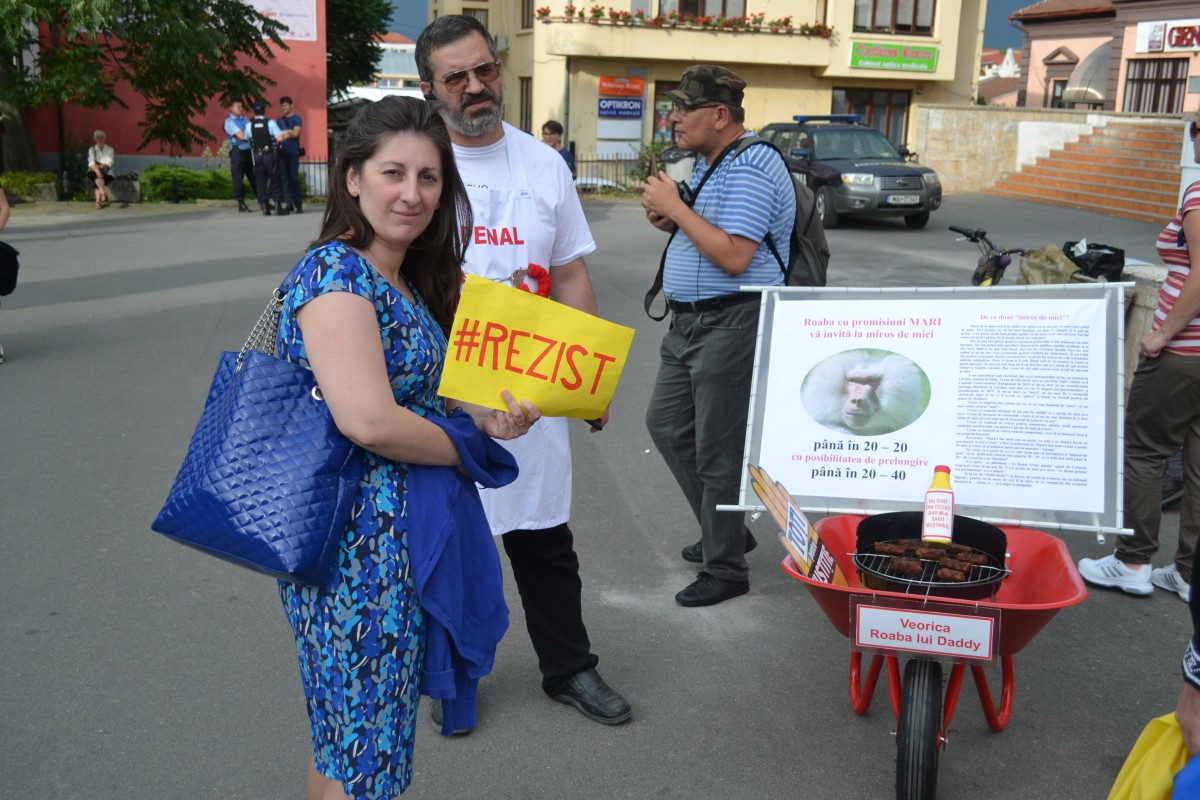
<point x="772" y="352"/>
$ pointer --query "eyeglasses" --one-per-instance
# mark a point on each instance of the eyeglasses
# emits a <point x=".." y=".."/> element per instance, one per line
<point x="457" y="81"/>
<point x="1195" y="129"/>
<point x="683" y="111"/>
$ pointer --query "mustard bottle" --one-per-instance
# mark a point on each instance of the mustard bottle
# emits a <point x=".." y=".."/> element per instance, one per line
<point x="937" y="523"/>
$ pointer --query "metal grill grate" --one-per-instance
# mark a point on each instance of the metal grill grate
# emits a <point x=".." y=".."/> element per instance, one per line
<point x="880" y="565"/>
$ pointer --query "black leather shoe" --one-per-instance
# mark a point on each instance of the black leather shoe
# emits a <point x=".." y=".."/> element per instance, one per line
<point x="299" y="210"/>
<point x="594" y="698"/>
<point x="436" y="714"/>
<point x="283" y="212"/>
<point x="708" y="590"/>
<point x="266" y="210"/>
<point x="242" y="207"/>
<point x="694" y="553"/>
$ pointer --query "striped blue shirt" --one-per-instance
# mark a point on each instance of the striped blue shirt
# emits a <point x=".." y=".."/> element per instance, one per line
<point x="748" y="196"/>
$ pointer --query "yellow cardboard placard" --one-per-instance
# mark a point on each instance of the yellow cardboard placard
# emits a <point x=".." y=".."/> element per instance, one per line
<point x="797" y="534"/>
<point x="565" y="361"/>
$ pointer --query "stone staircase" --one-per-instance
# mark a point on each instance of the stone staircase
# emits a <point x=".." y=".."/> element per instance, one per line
<point x="1124" y="168"/>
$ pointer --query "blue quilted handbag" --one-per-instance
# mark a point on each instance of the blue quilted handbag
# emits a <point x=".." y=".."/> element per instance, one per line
<point x="268" y="481"/>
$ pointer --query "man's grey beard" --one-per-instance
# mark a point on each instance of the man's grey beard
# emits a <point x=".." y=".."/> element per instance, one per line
<point x="475" y="125"/>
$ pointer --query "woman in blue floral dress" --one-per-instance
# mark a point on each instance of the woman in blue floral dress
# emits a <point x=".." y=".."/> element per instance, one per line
<point x="384" y="271"/>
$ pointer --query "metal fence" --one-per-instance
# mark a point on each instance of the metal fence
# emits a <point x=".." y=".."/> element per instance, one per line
<point x="608" y="174"/>
<point x="593" y="174"/>
<point x="314" y="176"/>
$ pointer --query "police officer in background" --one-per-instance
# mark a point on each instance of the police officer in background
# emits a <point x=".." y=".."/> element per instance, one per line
<point x="289" y="156"/>
<point x="240" y="164"/>
<point x="264" y="136"/>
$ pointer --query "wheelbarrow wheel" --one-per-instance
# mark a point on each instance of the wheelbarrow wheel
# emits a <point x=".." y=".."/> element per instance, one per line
<point x="918" y="735"/>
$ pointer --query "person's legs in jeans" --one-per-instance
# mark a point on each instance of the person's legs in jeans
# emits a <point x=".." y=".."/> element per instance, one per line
<point x="284" y="176"/>
<point x="289" y="177"/>
<point x="546" y="570"/>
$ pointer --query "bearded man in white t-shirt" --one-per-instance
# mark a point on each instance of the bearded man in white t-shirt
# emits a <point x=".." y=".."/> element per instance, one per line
<point x="536" y="238"/>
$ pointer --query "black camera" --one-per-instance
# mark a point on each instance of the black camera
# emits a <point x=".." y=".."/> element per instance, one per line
<point x="685" y="193"/>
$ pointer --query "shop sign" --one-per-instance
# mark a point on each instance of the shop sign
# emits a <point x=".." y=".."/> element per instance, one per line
<point x="620" y="107"/>
<point x="1173" y="36"/>
<point x="622" y="86"/>
<point x="903" y="57"/>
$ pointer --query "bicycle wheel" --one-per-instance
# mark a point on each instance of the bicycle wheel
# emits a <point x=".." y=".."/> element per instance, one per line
<point x="917" y="737"/>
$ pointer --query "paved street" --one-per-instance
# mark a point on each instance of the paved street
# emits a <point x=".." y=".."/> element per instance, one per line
<point x="133" y="668"/>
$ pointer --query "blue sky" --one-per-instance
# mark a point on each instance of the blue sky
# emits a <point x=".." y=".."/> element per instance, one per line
<point x="410" y="15"/>
<point x="996" y="30"/>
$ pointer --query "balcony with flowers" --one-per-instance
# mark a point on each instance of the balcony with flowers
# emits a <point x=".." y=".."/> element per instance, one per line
<point x="611" y="32"/>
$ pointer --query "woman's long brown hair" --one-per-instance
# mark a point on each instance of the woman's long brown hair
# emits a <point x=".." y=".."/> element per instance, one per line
<point x="433" y="263"/>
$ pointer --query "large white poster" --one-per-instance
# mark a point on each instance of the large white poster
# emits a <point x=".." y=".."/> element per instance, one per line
<point x="299" y="17"/>
<point x="857" y="400"/>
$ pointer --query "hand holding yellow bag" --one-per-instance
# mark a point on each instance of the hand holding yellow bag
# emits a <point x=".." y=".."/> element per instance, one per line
<point x="1149" y="771"/>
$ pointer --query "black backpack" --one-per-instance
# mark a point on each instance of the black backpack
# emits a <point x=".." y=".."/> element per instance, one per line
<point x="260" y="136"/>
<point x="808" y="263"/>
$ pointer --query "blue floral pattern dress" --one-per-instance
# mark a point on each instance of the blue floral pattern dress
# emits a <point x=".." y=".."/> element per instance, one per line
<point x="361" y="644"/>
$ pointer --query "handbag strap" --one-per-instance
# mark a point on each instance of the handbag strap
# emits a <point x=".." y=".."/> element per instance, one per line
<point x="266" y="329"/>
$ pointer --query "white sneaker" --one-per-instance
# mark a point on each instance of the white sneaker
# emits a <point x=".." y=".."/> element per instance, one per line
<point x="1110" y="571"/>
<point x="1169" y="578"/>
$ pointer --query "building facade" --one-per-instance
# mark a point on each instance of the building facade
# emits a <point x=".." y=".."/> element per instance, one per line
<point x="602" y="70"/>
<point x="298" y="72"/>
<point x="1138" y="56"/>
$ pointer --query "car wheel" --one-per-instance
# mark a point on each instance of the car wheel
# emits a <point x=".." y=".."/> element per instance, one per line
<point x="826" y="209"/>
<point x="917" y="221"/>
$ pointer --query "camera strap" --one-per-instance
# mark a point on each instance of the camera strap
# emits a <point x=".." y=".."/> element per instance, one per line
<point x="656" y="287"/>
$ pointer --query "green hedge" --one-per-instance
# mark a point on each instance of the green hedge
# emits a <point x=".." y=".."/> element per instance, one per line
<point x="194" y="185"/>
<point x="21" y="183"/>
<point x="213" y="184"/>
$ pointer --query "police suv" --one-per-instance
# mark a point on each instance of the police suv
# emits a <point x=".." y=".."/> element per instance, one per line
<point x="854" y="169"/>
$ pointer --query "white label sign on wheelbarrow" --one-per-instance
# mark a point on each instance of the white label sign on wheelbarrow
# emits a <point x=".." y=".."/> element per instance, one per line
<point x="937" y="630"/>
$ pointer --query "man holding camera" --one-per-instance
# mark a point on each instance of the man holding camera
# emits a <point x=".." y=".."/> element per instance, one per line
<point x="697" y="415"/>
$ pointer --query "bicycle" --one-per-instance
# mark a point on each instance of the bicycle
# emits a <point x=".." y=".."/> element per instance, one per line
<point x="993" y="259"/>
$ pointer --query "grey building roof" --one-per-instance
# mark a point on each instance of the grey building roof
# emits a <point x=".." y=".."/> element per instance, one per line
<point x="397" y="63"/>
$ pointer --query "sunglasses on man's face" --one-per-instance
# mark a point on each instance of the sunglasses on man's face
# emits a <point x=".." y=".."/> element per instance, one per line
<point x="456" y="82"/>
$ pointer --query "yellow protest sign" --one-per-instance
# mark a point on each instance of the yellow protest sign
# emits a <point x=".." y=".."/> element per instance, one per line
<point x="565" y="361"/>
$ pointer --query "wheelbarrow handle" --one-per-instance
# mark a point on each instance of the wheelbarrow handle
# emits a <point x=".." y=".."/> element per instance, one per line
<point x="997" y="720"/>
<point x="861" y="693"/>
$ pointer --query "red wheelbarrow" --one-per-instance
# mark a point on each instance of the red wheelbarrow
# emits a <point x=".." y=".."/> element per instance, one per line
<point x="1042" y="580"/>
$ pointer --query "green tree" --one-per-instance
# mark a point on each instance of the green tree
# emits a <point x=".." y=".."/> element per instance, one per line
<point x="177" y="54"/>
<point x="353" y="51"/>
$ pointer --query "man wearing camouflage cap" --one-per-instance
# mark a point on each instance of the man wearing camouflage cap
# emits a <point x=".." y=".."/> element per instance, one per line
<point x="697" y="415"/>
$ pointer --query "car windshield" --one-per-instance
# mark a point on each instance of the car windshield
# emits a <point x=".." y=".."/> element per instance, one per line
<point x="856" y="143"/>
